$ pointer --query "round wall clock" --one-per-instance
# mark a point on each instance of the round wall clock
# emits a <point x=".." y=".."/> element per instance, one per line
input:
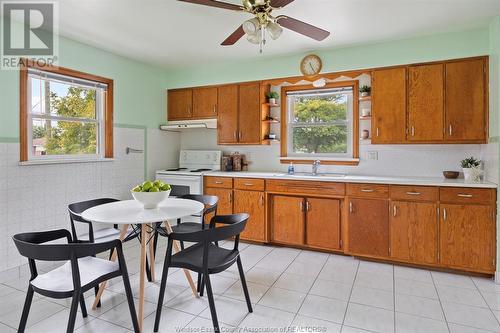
<point x="311" y="65"/>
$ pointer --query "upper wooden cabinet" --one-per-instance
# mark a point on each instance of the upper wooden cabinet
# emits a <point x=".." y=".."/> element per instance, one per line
<point x="425" y="102"/>
<point x="466" y="101"/>
<point x="180" y="104"/>
<point x="205" y="102"/>
<point x="389" y="105"/>
<point x="227" y="119"/>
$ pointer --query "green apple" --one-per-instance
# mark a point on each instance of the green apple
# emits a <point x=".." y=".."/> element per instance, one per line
<point x="138" y="188"/>
<point x="154" y="189"/>
<point x="165" y="187"/>
<point x="146" y="186"/>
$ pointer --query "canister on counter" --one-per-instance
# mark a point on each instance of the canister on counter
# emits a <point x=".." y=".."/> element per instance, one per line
<point x="227" y="163"/>
<point x="237" y="161"/>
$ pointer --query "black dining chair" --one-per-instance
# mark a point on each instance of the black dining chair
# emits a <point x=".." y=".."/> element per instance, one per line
<point x="206" y="258"/>
<point x="81" y="272"/>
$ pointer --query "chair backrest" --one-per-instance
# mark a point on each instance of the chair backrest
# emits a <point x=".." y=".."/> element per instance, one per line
<point x="210" y="201"/>
<point x="77" y="208"/>
<point x="234" y="225"/>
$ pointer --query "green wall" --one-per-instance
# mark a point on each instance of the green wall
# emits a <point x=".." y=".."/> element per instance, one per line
<point x="139" y="95"/>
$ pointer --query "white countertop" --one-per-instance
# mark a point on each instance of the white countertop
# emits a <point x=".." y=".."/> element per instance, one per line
<point x="341" y="178"/>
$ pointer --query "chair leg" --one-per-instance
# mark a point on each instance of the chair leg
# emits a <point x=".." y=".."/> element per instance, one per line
<point x="72" y="312"/>
<point x="83" y="307"/>
<point x="182" y="245"/>
<point x="202" y="287"/>
<point x="130" y="300"/>
<point x="211" y="303"/>
<point x="244" y="284"/>
<point x="198" y="284"/>
<point x="26" y="310"/>
<point x="161" y="296"/>
<point x="96" y="290"/>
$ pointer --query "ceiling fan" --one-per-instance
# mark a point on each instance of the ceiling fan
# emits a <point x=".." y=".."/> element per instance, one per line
<point x="264" y="23"/>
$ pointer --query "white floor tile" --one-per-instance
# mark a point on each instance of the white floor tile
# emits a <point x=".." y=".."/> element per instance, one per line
<point x="375" y="267"/>
<point x="470" y="316"/>
<point x="255" y="290"/>
<point x="283" y="299"/>
<point x="373" y="280"/>
<point x="373" y="297"/>
<point x="324" y="308"/>
<point x="308" y="324"/>
<point x="40" y="309"/>
<point x="229" y="311"/>
<point x="269" y="318"/>
<point x="331" y="289"/>
<point x="58" y="322"/>
<point x="461" y="295"/>
<point x="419" y="306"/>
<point x="188" y="303"/>
<point x="406" y="323"/>
<point x="492" y="299"/>
<point x="348" y="329"/>
<point x="310" y="269"/>
<point x="98" y="325"/>
<point x="341" y="274"/>
<point x="120" y="315"/>
<point x="312" y="257"/>
<point x="454" y="280"/>
<point x="200" y="324"/>
<point x="369" y="318"/>
<point x="414" y="288"/>
<point x="171" y="321"/>
<point x="455" y="328"/>
<point x="295" y="282"/>
<point x="6" y="329"/>
<point x="263" y="276"/>
<point x="486" y="284"/>
<point x="414" y="274"/>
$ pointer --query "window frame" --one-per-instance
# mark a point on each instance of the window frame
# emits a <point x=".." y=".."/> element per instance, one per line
<point x="105" y="144"/>
<point x="288" y="156"/>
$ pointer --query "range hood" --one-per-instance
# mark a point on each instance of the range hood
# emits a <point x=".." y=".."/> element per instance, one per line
<point x="187" y="124"/>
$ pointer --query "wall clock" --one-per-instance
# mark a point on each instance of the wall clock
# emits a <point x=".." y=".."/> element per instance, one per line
<point x="311" y="65"/>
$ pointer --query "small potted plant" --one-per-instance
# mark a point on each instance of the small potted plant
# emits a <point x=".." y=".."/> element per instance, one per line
<point x="472" y="169"/>
<point x="272" y="96"/>
<point x="365" y="91"/>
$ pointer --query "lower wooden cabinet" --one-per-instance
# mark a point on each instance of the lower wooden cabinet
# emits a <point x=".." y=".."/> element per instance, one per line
<point x="368" y="227"/>
<point x="252" y="203"/>
<point x="467" y="238"/>
<point x="414" y="232"/>
<point x="225" y="195"/>
<point x="287" y="219"/>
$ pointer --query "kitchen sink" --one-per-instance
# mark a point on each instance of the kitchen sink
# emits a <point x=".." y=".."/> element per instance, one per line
<point x="309" y="174"/>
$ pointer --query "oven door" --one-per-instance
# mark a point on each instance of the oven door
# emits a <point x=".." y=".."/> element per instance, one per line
<point x="182" y="184"/>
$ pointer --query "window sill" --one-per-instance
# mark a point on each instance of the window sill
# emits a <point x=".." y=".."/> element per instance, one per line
<point x="65" y="161"/>
<point x="324" y="161"/>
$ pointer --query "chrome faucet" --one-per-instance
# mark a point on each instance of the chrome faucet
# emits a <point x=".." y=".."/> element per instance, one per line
<point x="315" y="167"/>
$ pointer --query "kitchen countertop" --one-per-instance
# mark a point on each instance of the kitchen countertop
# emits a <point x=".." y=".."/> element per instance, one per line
<point x="341" y="178"/>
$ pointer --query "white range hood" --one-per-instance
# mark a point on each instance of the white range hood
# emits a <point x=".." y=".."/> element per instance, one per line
<point x="187" y="124"/>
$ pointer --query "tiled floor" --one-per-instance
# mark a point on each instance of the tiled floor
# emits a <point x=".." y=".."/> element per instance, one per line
<point x="289" y="288"/>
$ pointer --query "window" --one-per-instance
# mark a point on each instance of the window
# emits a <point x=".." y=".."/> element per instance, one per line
<point x="65" y="115"/>
<point x="321" y="123"/>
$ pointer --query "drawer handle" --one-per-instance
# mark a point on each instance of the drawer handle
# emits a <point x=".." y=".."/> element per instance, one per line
<point x="464" y="195"/>
<point x="248" y="184"/>
<point x="219" y="182"/>
<point x="366" y="190"/>
<point x="413" y="193"/>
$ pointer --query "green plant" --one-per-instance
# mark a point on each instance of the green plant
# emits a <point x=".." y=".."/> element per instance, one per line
<point x="272" y="94"/>
<point x="470" y="162"/>
<point x="365" y="89"/>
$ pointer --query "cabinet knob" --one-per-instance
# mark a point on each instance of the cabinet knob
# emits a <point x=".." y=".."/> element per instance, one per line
<point x="412" y="131"/>
<point x="450" y="130"/>
<point x="377" y="131"/>
<point x="445" y="215"/>
<point x="350" y="207"/>
<point x="215" y="108"/>
<point x="394" y="210"/>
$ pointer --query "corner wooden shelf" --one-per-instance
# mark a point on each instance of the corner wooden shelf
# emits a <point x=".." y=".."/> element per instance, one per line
<point x="271" y="121"/>
<point x="365" y="118"/>
<point x="366" y="98"/>
<point x="269" y="141"/>
<point x="272" y="105"/>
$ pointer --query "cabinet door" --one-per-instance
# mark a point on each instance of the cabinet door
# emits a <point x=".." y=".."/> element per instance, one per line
<point x="288" y="220"/>
<point x="227" y="115"/>
<point x="250" y="119"/>
<point x="414" y="232"/>
<point x="425" y="103"/>
<point x="368" y="223"/>
<point x="466" y="101"/>
<point x="323" y="223"/>
<point x="204" y="103"/>
<point x="389" y="105"/>
<point x="467" y="237"/>
<point x="180" y="104"/>
<point x="225" y="195"/>
<point x="252" y="203"/>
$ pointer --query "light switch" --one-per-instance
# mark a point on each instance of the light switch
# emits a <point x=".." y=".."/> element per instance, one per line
<point x="372" y="155"/>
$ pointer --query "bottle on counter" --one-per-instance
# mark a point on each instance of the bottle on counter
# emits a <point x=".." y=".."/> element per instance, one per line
<point x="291" y="169"/>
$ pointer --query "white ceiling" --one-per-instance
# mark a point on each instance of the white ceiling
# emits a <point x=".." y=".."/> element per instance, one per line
<point x="170" y="33"/>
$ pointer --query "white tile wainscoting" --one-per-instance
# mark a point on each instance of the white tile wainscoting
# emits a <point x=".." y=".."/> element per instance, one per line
<point x="36" y="197"/>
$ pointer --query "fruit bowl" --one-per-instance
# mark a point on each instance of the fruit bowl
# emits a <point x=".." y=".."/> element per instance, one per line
<point x="150" y="194"/>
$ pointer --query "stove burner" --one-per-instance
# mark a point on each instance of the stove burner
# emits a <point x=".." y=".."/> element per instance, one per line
<point x="176" y="169"/>
<point x="200" y="170"/>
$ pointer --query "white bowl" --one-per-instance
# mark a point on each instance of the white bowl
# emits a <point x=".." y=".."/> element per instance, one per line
<point x="150" y="200"/>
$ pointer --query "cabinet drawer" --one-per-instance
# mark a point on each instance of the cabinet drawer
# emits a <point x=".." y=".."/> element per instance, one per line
<point x="305" y="187"/>
<point x="414" y="193"/>
<point x="222" y="182"/>
<point x="368" y="190"/>
<point x="467" y="195"/>
<point x="249" y="184"/>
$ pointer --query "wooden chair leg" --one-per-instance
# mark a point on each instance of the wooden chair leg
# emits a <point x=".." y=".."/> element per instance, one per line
<point x="72" y="312"/>
<point x="211" y="303"/>
<point x="83" y="307"/>
<point x="244" y="284"/>
<point x="26" y="310"/>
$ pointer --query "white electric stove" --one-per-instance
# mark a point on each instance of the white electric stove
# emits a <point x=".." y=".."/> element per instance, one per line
<point x="188" y="177"/>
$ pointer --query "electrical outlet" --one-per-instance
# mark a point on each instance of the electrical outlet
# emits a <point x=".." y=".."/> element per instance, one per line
<point x="372" y="155"/>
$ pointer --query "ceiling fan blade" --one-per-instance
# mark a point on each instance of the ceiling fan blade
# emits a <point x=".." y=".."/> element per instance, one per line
<point x="214" y="3"/>
<point x="280" y="3"/>
<point x="234" y="37"/>
<point x="302" y="28"/>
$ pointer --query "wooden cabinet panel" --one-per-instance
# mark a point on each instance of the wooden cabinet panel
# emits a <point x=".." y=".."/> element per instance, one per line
<point x="223" y="182"/>
<point x="368" y="227"/>
<point x="252" y="203"/>
<point x="323" y="223"/>
<point x="305" y="187"/>
<point x="249" y="184"/>
<point x="287" y="215"/>
<point x="467" y="237"/>
<point x="466" y="111"/>
<point x="250" y="118"/>
<point x="461" y="195"/>
<point x="180" y="104"/>
<point x="425" y="102"/>
<point x="389" y="105"/>
<point x="225" y="204"/>
<point x="414" y="232"/>
<point x="368" y="190"/>
<point x="227" y="115"/>
<point x="205" y="103"/>
<point x="414" y="193"/>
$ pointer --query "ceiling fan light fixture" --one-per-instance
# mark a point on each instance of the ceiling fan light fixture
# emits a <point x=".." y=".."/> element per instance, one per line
<point x="255" y="38"/>
<point x="274" y="30"/>
<point x="251" y="26"/>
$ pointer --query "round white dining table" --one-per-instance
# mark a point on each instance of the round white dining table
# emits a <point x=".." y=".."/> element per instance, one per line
<point x="131" y="212"/>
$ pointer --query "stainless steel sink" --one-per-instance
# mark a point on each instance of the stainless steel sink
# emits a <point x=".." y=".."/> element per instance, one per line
<point x="310" y="175"/>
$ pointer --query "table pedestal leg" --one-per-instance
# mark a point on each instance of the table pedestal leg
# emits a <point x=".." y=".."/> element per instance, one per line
<point x="123" y="233"/>
<point x="186" y="272"/>
<point x="142" y="273"/>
